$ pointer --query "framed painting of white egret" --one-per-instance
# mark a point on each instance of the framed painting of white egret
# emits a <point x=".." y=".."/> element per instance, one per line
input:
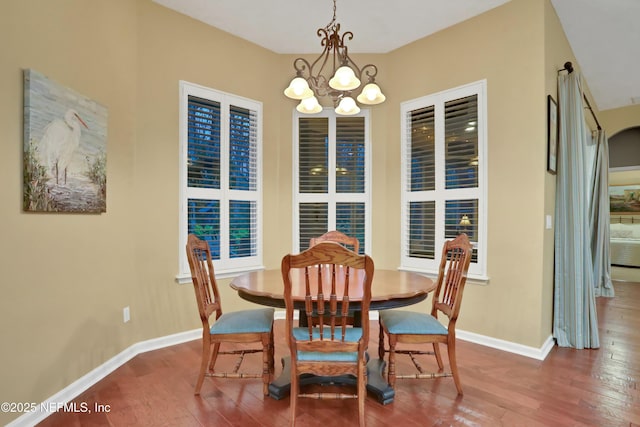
<point x="65" y="149"/>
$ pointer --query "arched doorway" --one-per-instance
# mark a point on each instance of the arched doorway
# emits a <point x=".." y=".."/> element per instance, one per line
<point x="624" y="170"/>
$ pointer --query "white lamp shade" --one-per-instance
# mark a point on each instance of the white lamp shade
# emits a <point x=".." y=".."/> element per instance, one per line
<point x="309" y="106"/>
<point x="347" y="107"/>
<point x="371" y="95"/>
<point x="344" y="79"/>
<point x="298" y="89"/>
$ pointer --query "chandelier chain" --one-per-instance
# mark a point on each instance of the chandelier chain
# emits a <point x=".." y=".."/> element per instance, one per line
<point x="333" y="21"/>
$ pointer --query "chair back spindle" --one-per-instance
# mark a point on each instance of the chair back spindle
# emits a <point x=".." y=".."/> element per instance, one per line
<point x="350" y="243"/>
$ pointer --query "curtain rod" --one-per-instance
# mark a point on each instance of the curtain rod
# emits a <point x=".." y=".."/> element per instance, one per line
<point x="568" y="66"/>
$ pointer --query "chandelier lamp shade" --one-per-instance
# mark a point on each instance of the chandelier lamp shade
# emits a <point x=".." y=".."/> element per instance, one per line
<point x="311" y="81"/>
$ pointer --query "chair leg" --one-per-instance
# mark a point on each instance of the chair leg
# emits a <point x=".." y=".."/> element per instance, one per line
<point x="381" y="343"/>
<point x="451" y="350"/>
<point x="266" y="362"/>
<point x="362" y="391"/>
<point x="436" y="351"/>
<point x="206" y="352"/>
<point x="391" y="374"/>
<point x="293" y="395"/>
<point x="214" y="356"/>
<point x="272" y="363"/>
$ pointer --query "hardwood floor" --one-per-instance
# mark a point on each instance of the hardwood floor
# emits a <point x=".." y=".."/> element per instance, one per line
<point x="569" y="388"/>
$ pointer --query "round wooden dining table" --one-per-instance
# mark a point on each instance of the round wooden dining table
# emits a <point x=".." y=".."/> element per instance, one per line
<point x="389" y="289"/>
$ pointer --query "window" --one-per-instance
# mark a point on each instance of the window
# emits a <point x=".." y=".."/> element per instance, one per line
<point x="444" y="176"/>
<point x="220" y="170"/>
<point x="331" y="177"/>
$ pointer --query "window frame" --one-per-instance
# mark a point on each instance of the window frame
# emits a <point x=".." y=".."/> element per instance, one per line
<point x="333" y="197"/>
<point x="478" y="269"/>
<point x="225" y="266"/>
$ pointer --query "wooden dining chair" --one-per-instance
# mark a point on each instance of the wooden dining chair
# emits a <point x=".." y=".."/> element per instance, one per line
<point x="339" y="237"/>
<point x="414" y="328"/>
<point x="246" y="326"/>
<point x="332" y="347"/>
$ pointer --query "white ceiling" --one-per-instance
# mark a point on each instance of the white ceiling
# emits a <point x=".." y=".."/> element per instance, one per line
<point x="605" y="38"/>
<point x="604" y="34"/>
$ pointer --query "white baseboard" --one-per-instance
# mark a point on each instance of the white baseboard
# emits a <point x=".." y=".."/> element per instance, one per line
<point x="74" y="389"/>
<point x="508" y="346"/>
<point x="523" y="350"/>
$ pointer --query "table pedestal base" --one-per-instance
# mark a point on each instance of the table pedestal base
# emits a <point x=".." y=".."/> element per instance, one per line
<point x="376" y="384"/>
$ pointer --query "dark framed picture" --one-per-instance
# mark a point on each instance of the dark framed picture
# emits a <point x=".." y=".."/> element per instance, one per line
<point x="552" y="135"/>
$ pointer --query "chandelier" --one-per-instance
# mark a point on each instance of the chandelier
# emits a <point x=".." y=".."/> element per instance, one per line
<point x="311" y="82"/>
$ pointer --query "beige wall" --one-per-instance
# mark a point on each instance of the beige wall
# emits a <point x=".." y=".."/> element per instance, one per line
<point x="505" y="46"/>
<point x="66" y="278"/>
<point x="197" y="53"/>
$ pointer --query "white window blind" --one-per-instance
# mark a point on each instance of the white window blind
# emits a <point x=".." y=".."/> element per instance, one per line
<point x="220" y="166"/>
<point x="332" y="175"/>
<point x="444" y="176"/>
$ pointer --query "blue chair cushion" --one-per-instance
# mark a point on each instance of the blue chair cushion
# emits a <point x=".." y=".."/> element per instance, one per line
<point x="244" y="321"/>
<point x="411" y="322"/>
<point x="351" y="335"/>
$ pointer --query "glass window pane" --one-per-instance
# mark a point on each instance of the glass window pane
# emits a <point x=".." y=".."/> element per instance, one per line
<point x="313" y="154"/>
<point x="350" y="221"/>
<point x="350" y="156"/>
<point x="242" y="228"/>
<point x="313" y="222"/>
<point x="203" y="220"/>
<point x="203" y="148"/>
<point x="422" y="221"/>
<point x="242" y="148"/>
<point x="422" y="155"/>
<point x="461" y="216"/>
<point x="461" y="142"/>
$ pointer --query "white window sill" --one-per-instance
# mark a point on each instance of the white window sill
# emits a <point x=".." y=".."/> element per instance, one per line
<point x="181" y="279"/>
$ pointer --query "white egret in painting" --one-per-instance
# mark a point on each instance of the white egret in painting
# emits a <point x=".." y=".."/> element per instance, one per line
<point x="59" y="142"/>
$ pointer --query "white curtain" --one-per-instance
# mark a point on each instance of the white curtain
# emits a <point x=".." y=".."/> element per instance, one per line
<point x="575" y="322"/>
<point x="599" y="218"/>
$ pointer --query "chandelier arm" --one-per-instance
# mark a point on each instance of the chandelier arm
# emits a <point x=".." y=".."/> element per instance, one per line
<point x="300" y="65"/>
<point x="305" y="70"/>
<point x="316" y="79"/>
<point x="324" y="34"/>
<point x="371" y="71"/>
<point x="333" y="44"/>
<point x="343" y="49"/>
<point x="346" y="34"/>
<point x="324" y="56"/>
